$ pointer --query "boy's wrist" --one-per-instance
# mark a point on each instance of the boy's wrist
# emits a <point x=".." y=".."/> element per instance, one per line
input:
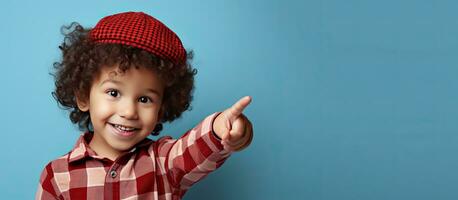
<point x="219" y="137"/>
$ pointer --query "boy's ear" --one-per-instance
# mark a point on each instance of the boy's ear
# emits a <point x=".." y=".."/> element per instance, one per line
<point x="82" y="103"/>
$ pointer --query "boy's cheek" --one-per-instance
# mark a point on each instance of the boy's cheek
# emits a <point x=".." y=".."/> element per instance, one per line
<point x="101" y="112"/>
<point x="149" y="119"/>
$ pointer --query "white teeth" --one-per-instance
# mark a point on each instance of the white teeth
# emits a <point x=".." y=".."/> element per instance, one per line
<point x="123" y="128"/>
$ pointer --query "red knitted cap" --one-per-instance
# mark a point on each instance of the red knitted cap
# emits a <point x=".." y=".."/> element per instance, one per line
<point x="142" y="31"/>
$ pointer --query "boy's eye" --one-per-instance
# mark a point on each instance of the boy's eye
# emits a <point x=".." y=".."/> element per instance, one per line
<point x="144" y="99"/>
<point x="113" y="93"/>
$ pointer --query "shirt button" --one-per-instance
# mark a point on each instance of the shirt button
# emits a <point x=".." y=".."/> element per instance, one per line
<point x="113" y="174"/>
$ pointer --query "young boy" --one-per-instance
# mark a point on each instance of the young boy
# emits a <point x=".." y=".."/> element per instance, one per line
<point x="121" y="80"/>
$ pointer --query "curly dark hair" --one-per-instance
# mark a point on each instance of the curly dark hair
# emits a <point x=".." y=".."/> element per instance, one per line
<point x="81" y="63"/>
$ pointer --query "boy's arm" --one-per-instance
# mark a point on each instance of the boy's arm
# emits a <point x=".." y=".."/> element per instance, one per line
<point x="193" y="156"/>
<point x="200" y="151"/>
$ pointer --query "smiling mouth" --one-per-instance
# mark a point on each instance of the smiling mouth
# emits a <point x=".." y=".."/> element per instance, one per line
<point x="124" y="130"/>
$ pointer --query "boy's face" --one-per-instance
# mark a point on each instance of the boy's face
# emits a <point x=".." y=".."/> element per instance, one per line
<point x="124" y="108"/>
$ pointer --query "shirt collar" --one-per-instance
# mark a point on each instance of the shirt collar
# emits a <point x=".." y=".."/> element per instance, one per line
<point x="82" y="149"/>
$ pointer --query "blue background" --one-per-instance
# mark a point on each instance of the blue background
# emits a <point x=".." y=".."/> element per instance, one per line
<point x="351" y="99"/>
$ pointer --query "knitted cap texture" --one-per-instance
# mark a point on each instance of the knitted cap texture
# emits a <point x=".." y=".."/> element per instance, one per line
<point x="140" y="30"/>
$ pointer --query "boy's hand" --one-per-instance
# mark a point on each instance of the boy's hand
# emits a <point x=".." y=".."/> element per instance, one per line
<point x="234" y="129"/>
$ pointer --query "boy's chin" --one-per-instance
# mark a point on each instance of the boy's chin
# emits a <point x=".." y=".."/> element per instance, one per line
<point x="122" y="146"/>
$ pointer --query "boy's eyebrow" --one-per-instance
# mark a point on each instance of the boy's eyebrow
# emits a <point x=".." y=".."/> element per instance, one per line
<point x="111" y="80"/>
<point x="119" y="82"/>
<point x="154" y="91"/>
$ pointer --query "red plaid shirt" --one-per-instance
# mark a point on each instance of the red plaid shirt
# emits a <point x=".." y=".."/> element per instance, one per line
<point x="162" y="169"/>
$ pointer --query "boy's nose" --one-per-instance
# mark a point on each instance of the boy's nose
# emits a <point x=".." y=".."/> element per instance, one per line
<point x="128" y="110"/>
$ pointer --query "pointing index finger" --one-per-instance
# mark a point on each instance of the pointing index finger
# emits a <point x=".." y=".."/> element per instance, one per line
<point x="238" y="107"/>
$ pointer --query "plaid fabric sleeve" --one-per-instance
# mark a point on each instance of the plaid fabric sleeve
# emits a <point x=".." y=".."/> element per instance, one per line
<point x="193" y="156"/>
<point x="46" y="187"/>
